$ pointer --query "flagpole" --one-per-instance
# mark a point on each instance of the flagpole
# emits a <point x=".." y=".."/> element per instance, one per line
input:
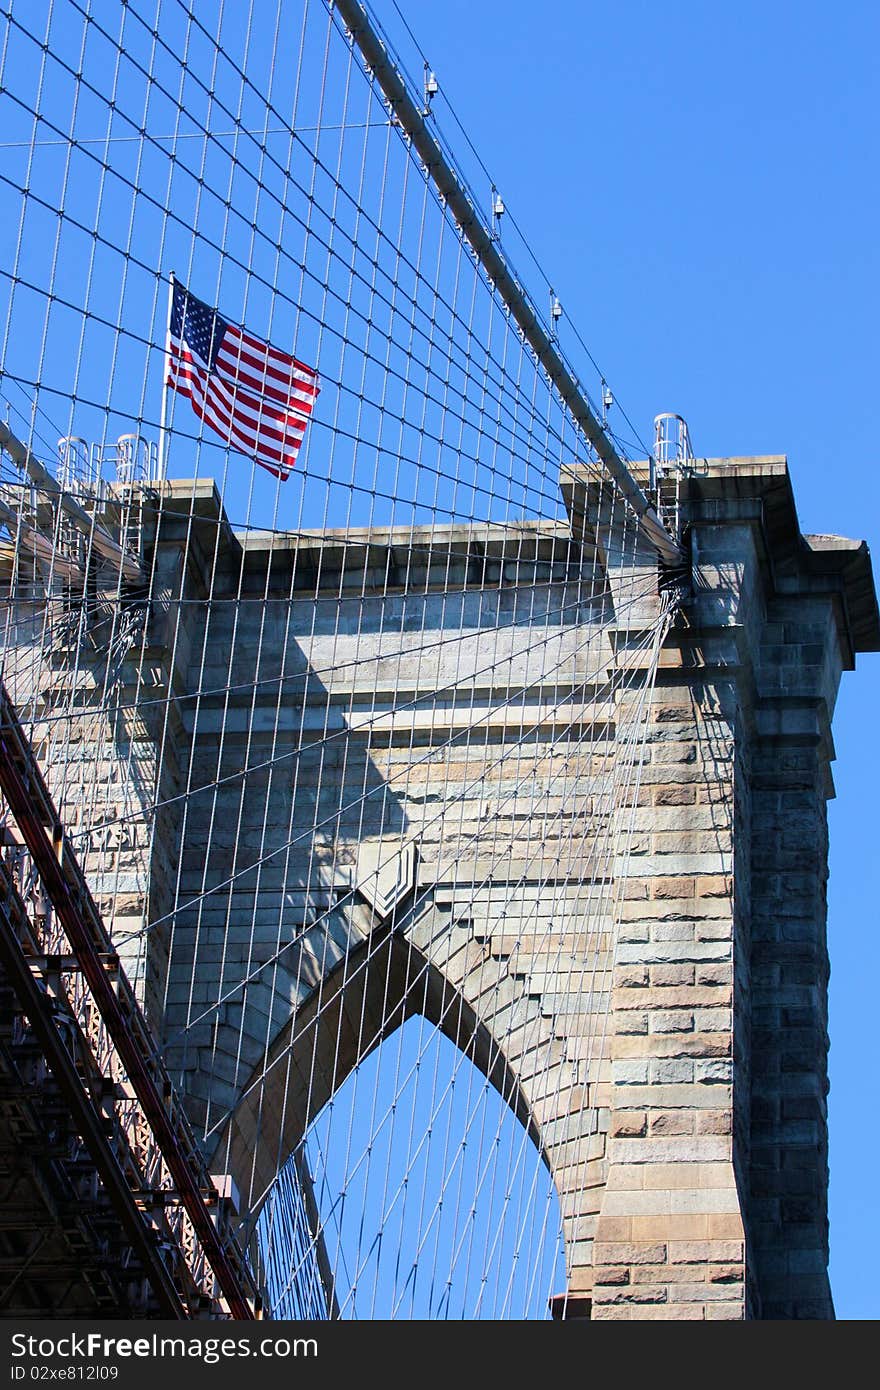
<point x="162" y="452"/>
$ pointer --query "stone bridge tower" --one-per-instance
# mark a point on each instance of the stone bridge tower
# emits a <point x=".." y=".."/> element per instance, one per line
<point x="664" y="1041"/>
<point x="691" y="1155"/>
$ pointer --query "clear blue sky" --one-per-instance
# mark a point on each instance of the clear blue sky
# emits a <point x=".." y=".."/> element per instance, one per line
<point x="700" y="183"/>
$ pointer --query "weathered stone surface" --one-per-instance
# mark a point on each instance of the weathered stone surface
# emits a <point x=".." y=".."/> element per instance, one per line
<point x="652" y="1003"/>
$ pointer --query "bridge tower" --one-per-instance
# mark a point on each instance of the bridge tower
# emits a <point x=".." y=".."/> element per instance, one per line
<point x="659" y="1026"/>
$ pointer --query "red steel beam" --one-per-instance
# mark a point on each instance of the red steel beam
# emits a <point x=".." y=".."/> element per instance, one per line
<point x="57" y="864"/>
<point x="37" y="1006"/>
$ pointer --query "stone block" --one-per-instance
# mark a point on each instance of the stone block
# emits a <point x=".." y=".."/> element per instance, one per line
<point x="633" y="1021"/>
<point x="629" y="1123"/>
<point x="638" y="1294"/>
<point x="714" y="1070"/>
<point x="630" y="976"/>
<point x="663" y="1226"/>
<point x="705" y="1252"/>
<point x="671" y="1070"/>
<point x="663" y="1122"/>
<point x="714" y="1122"/>
<point x="712" y="1020"/>
<point x="667" y="975"/>
<point x="675" y="796"/>
<point x="615" y="1229"/>
<point x="670" y="1021"/>
<point x="632" y="1253"/>
<point x="673" y="888"/>
<point x="702" y="1293"/>
<point x="669" y="1150"/>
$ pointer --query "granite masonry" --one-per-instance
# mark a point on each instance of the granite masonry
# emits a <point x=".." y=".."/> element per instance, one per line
<point x="650" y="998"/>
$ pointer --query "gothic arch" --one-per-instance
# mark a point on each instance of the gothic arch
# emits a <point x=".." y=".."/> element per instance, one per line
<point x="374" y="989"/>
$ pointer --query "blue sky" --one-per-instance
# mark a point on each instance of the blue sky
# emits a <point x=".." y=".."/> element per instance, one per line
<point x="699" y="182"/>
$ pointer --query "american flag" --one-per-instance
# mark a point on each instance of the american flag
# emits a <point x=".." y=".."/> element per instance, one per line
<point x="257" y="398"/>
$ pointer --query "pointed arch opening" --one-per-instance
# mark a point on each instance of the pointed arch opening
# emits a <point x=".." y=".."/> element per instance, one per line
<point x="415" y="1193"/>
<point x="388" y="1161"/>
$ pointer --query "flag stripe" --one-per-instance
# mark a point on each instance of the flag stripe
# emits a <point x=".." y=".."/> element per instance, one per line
<point x="256" y="440"/>
<point x="276" y="460"/>
<point x="264" y="415"/>
<point x="262" y="381"/>
<point x="229" y="426"/>
<point x="281" y="360"/>
<point x="210" y="404"/>
<point x="257" y="398"/>
<point x="241" y="348"/>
